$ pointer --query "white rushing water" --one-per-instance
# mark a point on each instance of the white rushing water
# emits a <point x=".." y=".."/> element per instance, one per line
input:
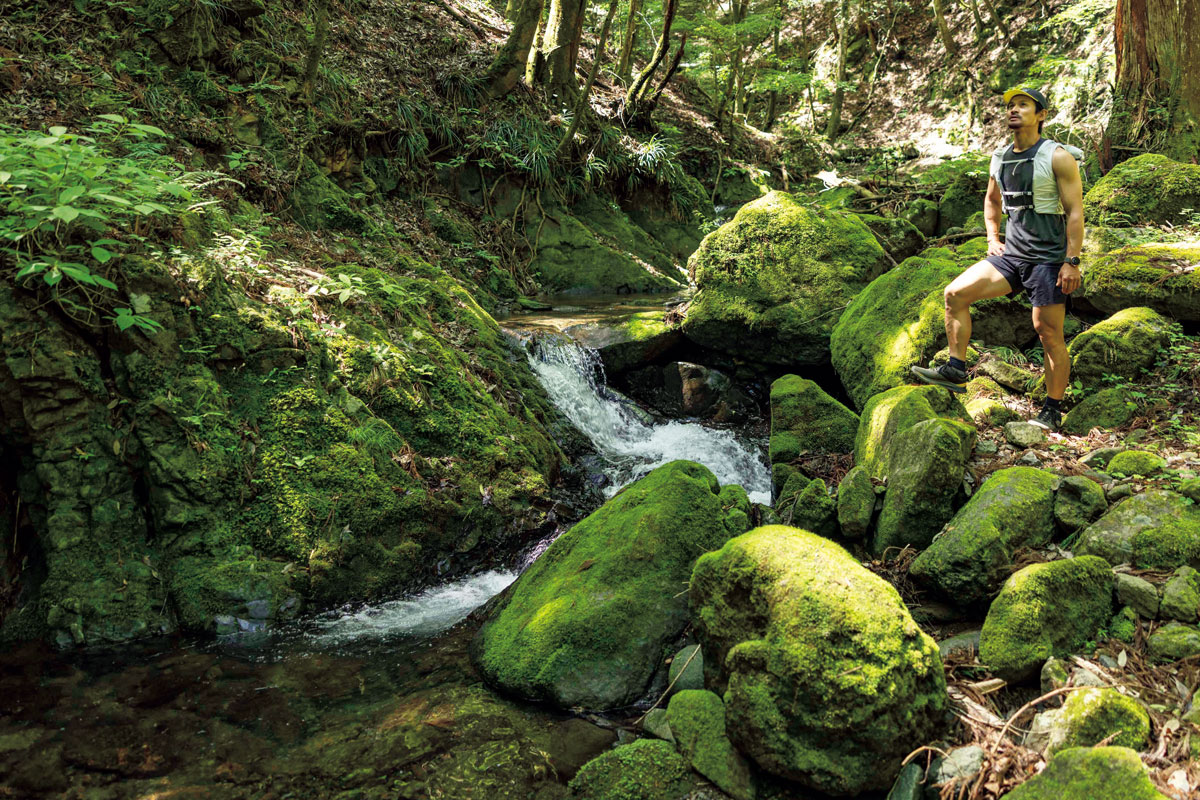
<point x="573" y="378"/>
<point x="432" y="611"/>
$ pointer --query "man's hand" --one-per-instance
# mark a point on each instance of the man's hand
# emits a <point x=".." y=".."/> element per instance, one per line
<point x="1069" y="278"/>
<point x="995" y="247"/>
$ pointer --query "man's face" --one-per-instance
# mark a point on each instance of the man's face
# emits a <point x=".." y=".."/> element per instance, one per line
<point x="1022" y="112"/>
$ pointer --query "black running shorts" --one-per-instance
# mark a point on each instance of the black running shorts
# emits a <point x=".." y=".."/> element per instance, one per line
<point x="1040" y="280"/>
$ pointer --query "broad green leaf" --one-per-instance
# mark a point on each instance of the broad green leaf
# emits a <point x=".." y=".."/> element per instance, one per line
<point x="112" y="198"/>
<point x="5" y="176"/>
<point x="101" y="255"/>
<point x="69" y="195"/>
<point x="105" y="282"/>
<point x="53" y="276"/>
<point x="58" y="130"/>
<point x="149" y="129"/>
<point x="79" y="275"/>
<point x="65" y="213"/>
<point x="113" y="118"/>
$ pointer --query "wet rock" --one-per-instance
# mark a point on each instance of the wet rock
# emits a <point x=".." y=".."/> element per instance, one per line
<point x="627" y="343"/>
<point x="575" y="742"/>
<point x="1045" y="610"/>
<point x="1153" y="530"/>
<point x="788" y="705"/>
<point x="1181" y="596"/>
<point x="1139" y="594"/>
<point x="1078" y="501"/>
<point x="687" y="669"/>
<point x="697" y="719"/>
<point x="1024" y="434"/>
<point x="656" y="724"/>
<point x="648" y="769"/>
<point x="698" y="391"/>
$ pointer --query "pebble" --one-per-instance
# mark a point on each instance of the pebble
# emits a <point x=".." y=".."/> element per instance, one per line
<point x="986" y="447"/>
<point x="1120" y="492"/>
<point x="1029" y="459"/>
<point x="1024" y="434"/>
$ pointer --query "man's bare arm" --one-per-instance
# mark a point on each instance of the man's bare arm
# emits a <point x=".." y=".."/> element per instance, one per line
<point x="992" y="209"/>
<point x="1070" y="191"/>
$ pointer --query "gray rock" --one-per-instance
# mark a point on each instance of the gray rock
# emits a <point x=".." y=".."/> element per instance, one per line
<point x="855" y="503"/>
<point x="1120" y="492"/>
<point x="1042" y="728"/>
<point x="1153" y="530"/>
<point x="574" y="742"/>
<point x="1139" y="594"/>
<point x="910" y="783"/>
<point x="1029" y="459"/>
<point x="1100" y="457"/>
<point x="259" y="609"/>
<point x="1054" y="675"/>
<point x="687" y="669"/>
<point x="1085" y="677"/>
<point x="960" y="765"/>
<point x="1009" y="375"/>
<point x="1023" y="434"/>
<point x="985" y="447"/>
<point x="656" y="724"/>
<point x="1181" y="596"/>
<point x="225" y="624"/>
<point x="1077" y="503"/>
<point x="1174" y="641"/>
<point x="968" y="641"/>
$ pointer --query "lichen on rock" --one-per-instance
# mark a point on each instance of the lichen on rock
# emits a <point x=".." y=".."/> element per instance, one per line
<point x="1123" y="345"/>
<point x="1157" y="529"/>
<point x="1087" y="773"/>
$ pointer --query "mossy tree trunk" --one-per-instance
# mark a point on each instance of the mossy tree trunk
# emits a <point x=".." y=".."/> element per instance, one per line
<point x="839" y="94"/>
<point x="633" y="107"/>
<point x="560" y="47"/>
<point x="625" y="62"/>
<point x="509" y="62"/>
<point x="1157" y="99"/>
<point x="939" y="14"/>
<point x="581" y="107"/>
<point x="316" y="47"/>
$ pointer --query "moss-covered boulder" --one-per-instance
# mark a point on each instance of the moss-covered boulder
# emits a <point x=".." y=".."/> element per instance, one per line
<point x="806" y="504"/>
<point x="628" y="342"/>
<point x="1124" y="344"/>
<point x="587" y="623"/>
<point x="897" y="235"/>
<point x="963" y="198"/>
<point x="1044" y="610"/>
<point x="1091" y="715"/>
<point x="648" y="769"/>
<point x="1149" y="188"/>
<point x="829" y="681"/>
<point x="1181" y="596"/>
<point x="771" y="280"/>
<point x="986" y="403"/>
<point x="1078" y="501"/>
<point x="925" y="474"/>
<point x="855" y="503"/>
<point x="1107" y="408"/>
<point x="1136" y="462"/>
<point x="1087" y="773"/>
<point x="923" y="214"/>
<point x="805" y="419"/>
<point x="697" y="719"/>
<point x="1173" y="642"/>
<point x="1157" y="529"/>
<point x="1161" y="276"/>
<point x="969" y="561"/>
<point x="894" y="411"/>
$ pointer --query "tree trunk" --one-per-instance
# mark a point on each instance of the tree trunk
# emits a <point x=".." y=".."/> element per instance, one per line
<point x="509" y="62"/>
<point x="973" y="7"/>
<point x="316" y="47"/>
<point x="839" y="94"/>
<point x="582" y="106"/>
<point x="991" y="9"/>
<point x="1156" y="103"/>
<point x="634" y="95"/>
<point x="625" y="62"/>
<point x="560" y="45"/>
<point x="939" y="13"/>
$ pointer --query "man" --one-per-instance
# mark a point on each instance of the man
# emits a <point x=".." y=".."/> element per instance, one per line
<point x="1036" y="182"/>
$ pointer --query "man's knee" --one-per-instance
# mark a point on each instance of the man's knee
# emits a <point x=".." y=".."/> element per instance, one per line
<point x="1049" y="332"/>
<point x="956" y="299"/>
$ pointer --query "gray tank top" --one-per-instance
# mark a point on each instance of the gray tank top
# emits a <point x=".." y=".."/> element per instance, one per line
<point x="1030" y="236"/>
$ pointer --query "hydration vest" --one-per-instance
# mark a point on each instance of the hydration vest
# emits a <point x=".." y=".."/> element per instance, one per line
<point x="1044" y="198"/>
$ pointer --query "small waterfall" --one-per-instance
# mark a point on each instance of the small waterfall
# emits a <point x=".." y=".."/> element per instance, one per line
<point x="574" y="378"/>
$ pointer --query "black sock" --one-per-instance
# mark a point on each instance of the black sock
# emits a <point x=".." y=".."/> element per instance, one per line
<point x="1052" y="403"/>
<point x="958" y="364"/>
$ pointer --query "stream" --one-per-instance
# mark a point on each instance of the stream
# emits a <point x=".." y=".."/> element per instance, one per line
<point x="378" y="701"/>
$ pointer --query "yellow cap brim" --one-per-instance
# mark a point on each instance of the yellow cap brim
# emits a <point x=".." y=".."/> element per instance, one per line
<point x="1011" y="93"/>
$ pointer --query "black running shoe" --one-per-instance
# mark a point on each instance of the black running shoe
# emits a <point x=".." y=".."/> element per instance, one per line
<point x="1048" y="418"/>
<point x="953" y="379"/>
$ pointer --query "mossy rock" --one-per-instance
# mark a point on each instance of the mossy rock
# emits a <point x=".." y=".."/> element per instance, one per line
<point x="203" y="588"/>
<point x="1124" y="344"/>
<point x="586" y="625"/>
<point x="962" y="199"/>
<point x="805" y="419"/>
<point x="829" y="681"/>
<point x="697" y="719"/>
<point x="894" y="411"/>
<point x="855" y="503"/>
<point x="808" y="505"/>
<point x="1087" y="773"/>
<point x="925" y="474"/>
<point x="1091" y="715"/>
<point x="1136" y="462"/>
<point x="1147" y="189"/>
<point x="1174" y="641"/>
<point x="1158" y="275"/>
<point x="629" y="342"/>
<point x="1181" y="596"/>
<point x="985" y="403"/>
<point x="771" y="279"/>
<point x="1078" y="501"/>
<point x="648" y="769"/>
<point x="1108" y="408"/>
<point x="896" y="235"/>
<point x="923" y="214"/>
<point x="1047" y="609"/>
<point x="1157" y="529"/>
<point x="318" y="203"/>
<point x="972" y="556"/>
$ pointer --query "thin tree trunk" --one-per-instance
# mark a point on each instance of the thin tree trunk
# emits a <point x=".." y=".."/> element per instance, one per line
<point x="991" y="9"/>
<point x="973" y="7"/>
<point x="509" y="62"/>
<point x="625" y="62"/>
<point x="839" y="94"/>
<point x="773" y="96"/>
<point x="640" y="83"/>
<point x="653" y="104"/>
<point x="559" y="44"/>
<point x="939" y="13"/>
<point x="535" y="63"/>
<point x="316" y="47"/>
<point x="582" y="106"/>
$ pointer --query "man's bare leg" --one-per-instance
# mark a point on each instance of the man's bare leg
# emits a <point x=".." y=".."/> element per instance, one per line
<point x="1048" y="322"/>
<point x="980" y="281"/>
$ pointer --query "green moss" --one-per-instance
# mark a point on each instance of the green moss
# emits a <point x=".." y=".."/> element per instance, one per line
<point x="586" y="624"/>
<point x="1091" y="715"/>
<point x="769" y="279"/>
<point x="1047" y="609"/>
<point x="697" y="720"/>
<point x="648" y="769"/>
<point x="1124" y="344"/>
<point x="896" y="235"/>
<point x="922" y="213"/>
<point x="1153" y="530"/>
<point x="250" y="588"/>
<point x="897" y="321"/>
<point x="808" y="506"/>
<point x="1077" y="502"/>
<point x="1154" y="275"/>
<point x="1174" y="641"/>
<point x="962" y="199"/>
<point x="319" y="203"/>
<point x="829" y="679"/>
<point x="985" y="403"/>
<point x="1107" y="408"/>
<point x="1086" y="773"/>
<point x="1136" y="462"/>
<point x="1149" y="188"/>
<point x="893" y="411"/>
<point x="855" y="503"/>
<point x="925" y="474"/>
<point x="1013" y="508"/>
<point x="1124" y="625"/>
<point x="804" y="419"/>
